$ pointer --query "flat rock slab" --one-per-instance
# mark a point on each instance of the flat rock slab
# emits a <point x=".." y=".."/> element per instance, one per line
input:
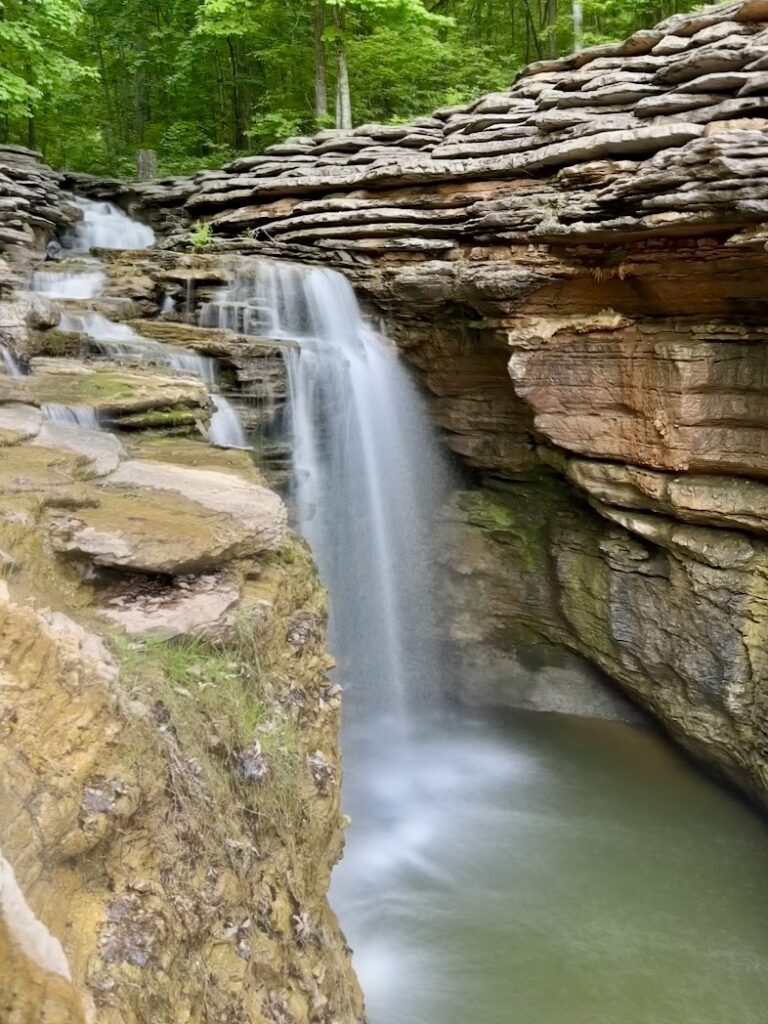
<point x="156" y="517"/>
<point x="108" y="390"/>
<point x="709" y="500"/>
<point x="102" y="450"/>
<point x="19" y="422"/>
<point x="25" y="469"/>
<point x="141" y="530"/>
<point x="257" y="509"/>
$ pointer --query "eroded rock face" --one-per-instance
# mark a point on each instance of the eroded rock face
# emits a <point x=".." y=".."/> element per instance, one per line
<point x="677" y="614"/>
<point x="142" y="875"/>
<point x="576" y="267"/>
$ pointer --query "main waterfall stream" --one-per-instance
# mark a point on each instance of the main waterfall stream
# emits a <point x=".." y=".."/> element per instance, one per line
<point x="525" y="870"/>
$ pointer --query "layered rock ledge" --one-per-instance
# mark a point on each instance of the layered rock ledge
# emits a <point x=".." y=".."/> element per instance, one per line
<point x="169" y="762"/>
<point x="575" y="265"/>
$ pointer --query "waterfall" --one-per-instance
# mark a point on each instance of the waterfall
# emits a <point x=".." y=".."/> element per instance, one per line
<point x="11" y="365"/>
<point x="71" y="415"/>
<point x="119" y="341"/>
<point x="366" y="472"/>
<point x="68" y="284"/>
<point x="105" y="226"/>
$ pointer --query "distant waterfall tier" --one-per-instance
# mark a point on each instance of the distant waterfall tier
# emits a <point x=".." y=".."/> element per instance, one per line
<point x="72" y="415"/>
<point x="11" y="365"/>
<point x="366" y="471"/>
<point x="80" y="284"/>
<point x="106" y="226"/>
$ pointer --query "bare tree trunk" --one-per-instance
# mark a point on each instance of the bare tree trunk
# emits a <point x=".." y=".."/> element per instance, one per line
<point x="238" y="128"/>
<point x="343" y="98"/>
<point x="321" y="92"/>
<point x="551" y="13"/>
<point x="146" y="164"/>
<point x="578" y="26"/>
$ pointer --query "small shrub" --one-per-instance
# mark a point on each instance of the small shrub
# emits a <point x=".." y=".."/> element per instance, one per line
<point x="201" y="237"/>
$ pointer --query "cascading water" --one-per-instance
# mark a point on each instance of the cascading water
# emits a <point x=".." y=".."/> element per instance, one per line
<point x="366" y="471"/>
<point x="524" y="870"/>
<point x="106" y="226"/>
<point x="63" y="284"/>
<point x="11" y="365"/>
<point x="119" y="341"/>
<point x="71" y="415"/>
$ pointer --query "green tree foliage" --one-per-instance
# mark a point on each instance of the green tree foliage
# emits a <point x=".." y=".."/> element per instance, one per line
<point x="35" y="64"/>
<point x="91" y="81"/>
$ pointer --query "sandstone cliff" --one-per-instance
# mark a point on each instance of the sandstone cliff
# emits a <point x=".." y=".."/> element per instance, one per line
<point x="576" y="266"/>
<point x="169" y="749"/>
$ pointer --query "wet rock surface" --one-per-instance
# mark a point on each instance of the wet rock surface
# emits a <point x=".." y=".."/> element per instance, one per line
<point x="575" y="266"/>
<point x="150" y="649"/>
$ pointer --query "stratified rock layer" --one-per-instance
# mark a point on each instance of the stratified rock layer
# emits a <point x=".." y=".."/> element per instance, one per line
<point x="576" y="266"/>
<point x="166" y="840"/>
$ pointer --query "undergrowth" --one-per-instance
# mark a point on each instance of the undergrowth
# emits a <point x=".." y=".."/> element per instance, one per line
<point x="217" y="706"/>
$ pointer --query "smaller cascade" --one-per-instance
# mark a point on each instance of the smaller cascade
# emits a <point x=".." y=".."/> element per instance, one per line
<point x="68" y="284"/>
<point x="11" y="364"/>
<point x="225" y="429"/>
<point x="118" y="341"/>
<point x="71" y="415"/>
<point x="106" y="226"/>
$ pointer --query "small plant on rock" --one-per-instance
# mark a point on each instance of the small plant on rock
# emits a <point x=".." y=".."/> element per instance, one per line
<point x="200" y="237"/>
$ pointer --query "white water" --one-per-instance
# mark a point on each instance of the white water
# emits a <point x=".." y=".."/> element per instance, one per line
<point x="226" y="428"/>
<point x="119" y="341"/>
<point x="11" y="365"/>
<point x="367" y="472"/>
<point x="367" y="476"/>
<point x="105" y="226"/>
<point x="71" y="415"/>
<point x="68" y="284"/>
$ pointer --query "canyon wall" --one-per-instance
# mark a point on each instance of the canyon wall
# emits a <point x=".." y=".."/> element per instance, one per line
<point x="169" y="736"/>
<point x="575" y="266"/>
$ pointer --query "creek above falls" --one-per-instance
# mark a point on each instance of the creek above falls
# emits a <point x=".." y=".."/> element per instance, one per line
<point x="499" y="866"/>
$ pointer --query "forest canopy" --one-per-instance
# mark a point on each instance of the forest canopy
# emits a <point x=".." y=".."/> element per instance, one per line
<point x="91" y="82"/>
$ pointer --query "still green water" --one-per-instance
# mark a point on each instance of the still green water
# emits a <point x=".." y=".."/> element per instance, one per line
<point x="542" y="869"/>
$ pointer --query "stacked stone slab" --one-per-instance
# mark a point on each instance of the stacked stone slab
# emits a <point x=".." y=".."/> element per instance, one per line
<point x="662" y="132"/>
<point x="33" y="208"/>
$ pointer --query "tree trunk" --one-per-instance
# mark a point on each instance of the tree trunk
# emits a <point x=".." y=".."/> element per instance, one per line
<point x="238" y="128"/>
<point x="343" y="98"/>
<point x="321" y="93"/>
<point x="551" y="13"/>
<point x="578" y="26"/>
<point x="146" y="164"/>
